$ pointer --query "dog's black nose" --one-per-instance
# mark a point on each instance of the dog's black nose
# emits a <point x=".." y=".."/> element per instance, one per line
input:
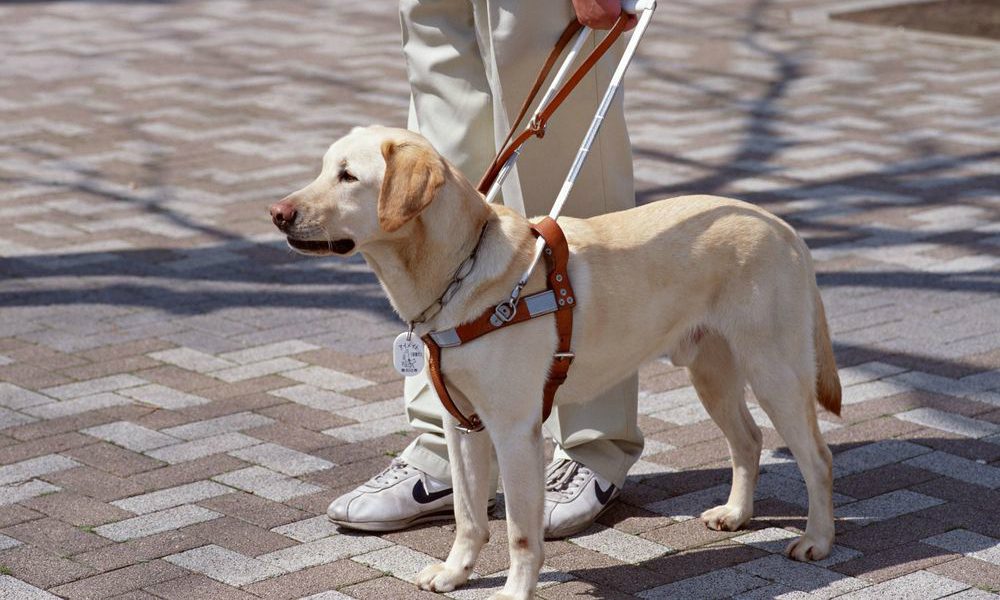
<point x="283" y="213"/>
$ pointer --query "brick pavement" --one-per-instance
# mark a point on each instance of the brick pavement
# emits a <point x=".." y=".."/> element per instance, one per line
<point x="180" y="396"/>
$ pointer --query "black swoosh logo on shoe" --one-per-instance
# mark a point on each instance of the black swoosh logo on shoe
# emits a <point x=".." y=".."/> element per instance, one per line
<point x="421" y="495"/>
<point x="603" y="496"/>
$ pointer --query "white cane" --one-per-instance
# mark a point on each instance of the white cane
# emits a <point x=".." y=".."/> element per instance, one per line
<point x="645" y="10"/>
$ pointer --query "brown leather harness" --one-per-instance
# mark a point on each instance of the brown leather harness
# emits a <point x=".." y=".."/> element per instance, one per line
<point x="558" y="298"/>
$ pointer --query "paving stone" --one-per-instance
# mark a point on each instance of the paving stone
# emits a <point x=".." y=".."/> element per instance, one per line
<point x="15" y="589"/>
<point x="197" y="586"/>
<point x="8" y="542"/>
<point x="35" y="467"/>
<point x="157" y="522"/>
<point x="959" y="468"/>
<point x="267" y="483"/>
<point x="399" y="561"/>
<point x="76" y="406"/>
<point x="723" y="583"/>
<point x="164" y="397"/>
<point x="171" y="497"/>
<point x="131" y="436"/>
<point x="327" y="379"/>
<point x="915" y="586"/>
<point x="218" y="425"/>
<point x="368" y="430"/>
<point x="281" y="459"/>
<point x="617" y="544"/>
<point x="314" y="581"/>
<point x="806" y="577"/>
<point x="203" y="447"/>
<point x="223" y="565"/>
<point x="259" y="369"/>
<point x="41" y="568"/>
<point x="268" y="351"/>
<point x="10" y="418"/>
<point x="113" y="459"/>
<point x="968" y="543"/>
<point x="238" y="536"/>
<point x="93" y="387"/>
<point x="949" y="422"/>
<point x="886" y="506"/>
<point x="314" y="397"/>
<point x="874" y="455"/>
<point x="191" y="360"/>
<point x="128" y="578"/>
<point x="14" y="397"/>
<point x="56" y="536"/>
<point x="322" y="551"/>
<point x="308" y="530"/>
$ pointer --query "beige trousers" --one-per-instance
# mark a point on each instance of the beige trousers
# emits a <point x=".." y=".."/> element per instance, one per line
<point x="470" y="64"/>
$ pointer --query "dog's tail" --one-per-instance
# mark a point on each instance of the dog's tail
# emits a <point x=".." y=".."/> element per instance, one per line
<point x="827" y="380"/>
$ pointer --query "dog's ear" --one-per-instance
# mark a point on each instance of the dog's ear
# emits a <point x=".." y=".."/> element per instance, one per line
<point x="413" y="175"/>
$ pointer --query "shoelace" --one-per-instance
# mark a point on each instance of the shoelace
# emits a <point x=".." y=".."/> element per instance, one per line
<point x="396" y="470"/>
<point x="565" y="478"/>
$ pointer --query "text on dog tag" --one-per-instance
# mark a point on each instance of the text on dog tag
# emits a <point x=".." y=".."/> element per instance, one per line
<point x="408" y="354"/>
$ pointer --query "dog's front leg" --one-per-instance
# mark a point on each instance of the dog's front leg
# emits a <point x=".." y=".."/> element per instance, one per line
<point x="472" y="482"/>
<point x="519" y="451"/>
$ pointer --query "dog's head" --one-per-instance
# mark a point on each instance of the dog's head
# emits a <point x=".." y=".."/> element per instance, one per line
<point x="374" y="181"/>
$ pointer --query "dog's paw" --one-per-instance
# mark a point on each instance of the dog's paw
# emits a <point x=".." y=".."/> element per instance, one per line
<point x="725" y="518"/>
<point x="441" y="578"/>
<point x="805" y="549"/>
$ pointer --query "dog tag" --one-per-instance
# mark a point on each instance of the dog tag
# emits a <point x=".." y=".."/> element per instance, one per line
<point x="408" y="354"/>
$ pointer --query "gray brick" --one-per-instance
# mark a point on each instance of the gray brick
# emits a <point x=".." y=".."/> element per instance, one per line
<point x="35" y="467"/>
<point x="327" y="379"/>
<point x="14" y="397"/>
<point x="308" y="530"/>
<point x="267" y="484"/>
<point x="370" y="429"/>
<point x="721" y="583"/>
<point x="171" y="497"/>
<point x="920" y="585"/>
<point x="157" y="522"/>
<point x="8" y="542"/>
<point x="281" y="459"/>
<point x="399" y="561"/>
<point x="374" y="410"/>
<point x="313" y="397"/>
<point x="163" y="397"/>
<point x="131" y="436"/>
<point x="802" y="576"/>
<point x="619" y="545"/>
<point x="322" y="551"/>
<point x="268" y="351"/>
<point x="186" y="451"/>
<point x="224" y="565"/>
<point x="873" y="456"/>
<point x="227" y="424"/>
<point x="192" y="360"/>
<point x="10" y="418"/>
<point x="886" y="506"/>
<point x="959" y="468"/>
<point x="952" y="423"/>
<point x="15" y="589"/>
<point x="76" y="406"/>
<point x="13" y="493"/>
<point x="969" y="543"/>
<point x="689" y="506"/>
<point x="258" y="369"/>
<point x="94" y="386"/>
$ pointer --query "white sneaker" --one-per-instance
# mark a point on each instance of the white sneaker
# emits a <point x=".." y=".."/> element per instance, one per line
<point x="397" y="498"/>
<point x="574" y="497"/>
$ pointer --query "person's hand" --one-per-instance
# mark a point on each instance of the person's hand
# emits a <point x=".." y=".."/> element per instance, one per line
<point x="599" y="14"/>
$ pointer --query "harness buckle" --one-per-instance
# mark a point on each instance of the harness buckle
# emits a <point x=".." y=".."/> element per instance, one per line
<point x="564" y="356"/>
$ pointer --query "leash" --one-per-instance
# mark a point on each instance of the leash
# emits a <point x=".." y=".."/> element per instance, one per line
<point x="558" y="298"/>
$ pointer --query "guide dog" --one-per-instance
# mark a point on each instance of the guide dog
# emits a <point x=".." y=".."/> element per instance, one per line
<point x="723" y="287"/>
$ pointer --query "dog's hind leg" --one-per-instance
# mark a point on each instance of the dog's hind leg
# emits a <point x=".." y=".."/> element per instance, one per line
<point x="785" y="387"/>
<point x="472" y="482"/>
<point x="719" y="381"/>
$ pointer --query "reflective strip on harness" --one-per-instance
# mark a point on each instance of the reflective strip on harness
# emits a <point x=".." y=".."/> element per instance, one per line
<point x="537" y="305"/>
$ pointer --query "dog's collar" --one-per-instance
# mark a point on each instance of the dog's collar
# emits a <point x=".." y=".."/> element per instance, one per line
<point x="456" y="282"/>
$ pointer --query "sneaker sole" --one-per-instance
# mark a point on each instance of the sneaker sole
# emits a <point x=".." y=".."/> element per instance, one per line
<point x="445" y="514"/>
<point x="567" y="532"/>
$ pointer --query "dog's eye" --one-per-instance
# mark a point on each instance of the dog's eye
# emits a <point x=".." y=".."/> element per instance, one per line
<point x="346" y="177"/>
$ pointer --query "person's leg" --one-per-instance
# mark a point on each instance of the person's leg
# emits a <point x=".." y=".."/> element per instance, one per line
<point x="451" y="106"/>
<point x="601" y="434"/>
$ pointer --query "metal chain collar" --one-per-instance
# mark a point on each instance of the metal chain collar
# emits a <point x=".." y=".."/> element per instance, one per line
<point x="456" y="282"/>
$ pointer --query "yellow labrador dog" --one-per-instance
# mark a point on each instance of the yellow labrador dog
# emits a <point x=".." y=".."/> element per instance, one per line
<point x="723" y="287"/>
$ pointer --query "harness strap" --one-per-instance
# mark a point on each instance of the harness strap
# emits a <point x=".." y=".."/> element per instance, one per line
<point x="558" y="298"/>
<point x="537" y="126"/>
